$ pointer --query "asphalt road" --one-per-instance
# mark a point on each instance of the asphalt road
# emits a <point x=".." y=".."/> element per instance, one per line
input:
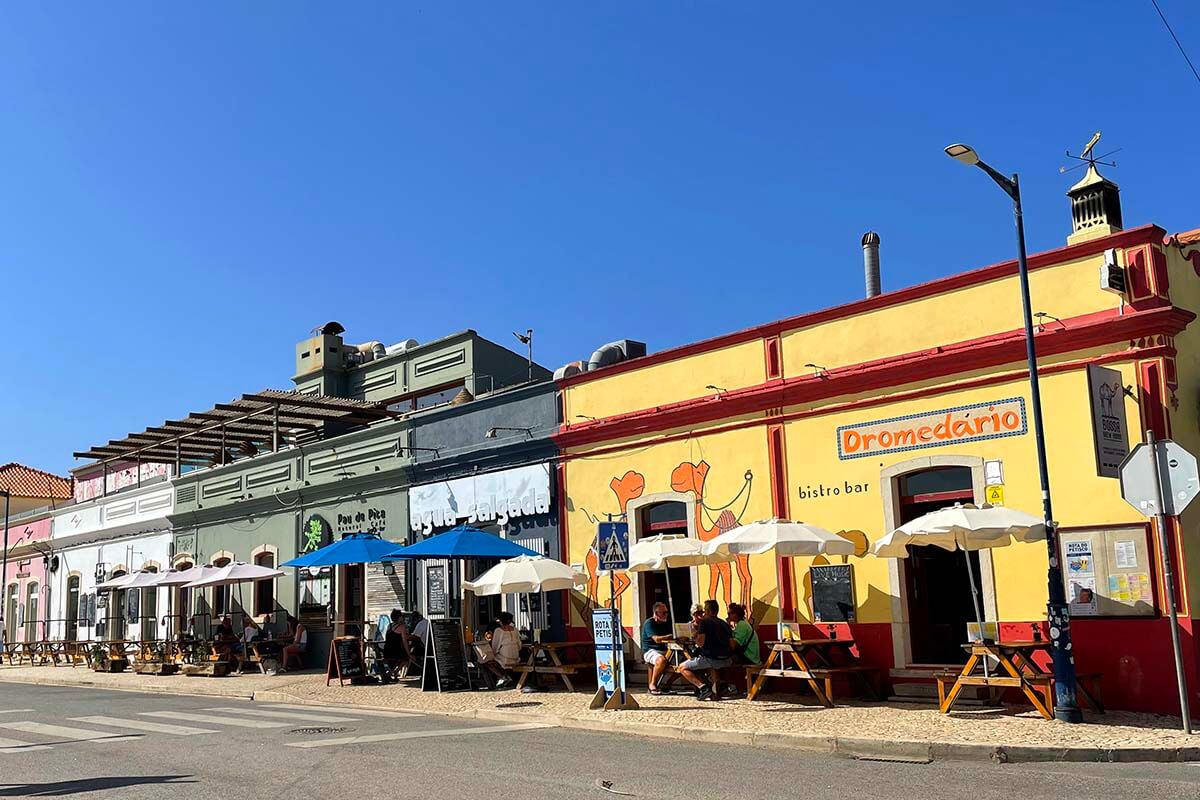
<point x="87" y="743"/>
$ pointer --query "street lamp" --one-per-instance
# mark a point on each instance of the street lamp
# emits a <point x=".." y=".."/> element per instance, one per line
<point x="1066" y="708"/>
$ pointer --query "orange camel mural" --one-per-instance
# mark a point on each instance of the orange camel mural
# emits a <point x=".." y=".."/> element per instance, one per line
<point x="689" y="477"/>
<point x="628" y="487"/>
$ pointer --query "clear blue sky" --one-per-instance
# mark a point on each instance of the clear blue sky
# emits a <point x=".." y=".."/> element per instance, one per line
<point x="186" y="192"/>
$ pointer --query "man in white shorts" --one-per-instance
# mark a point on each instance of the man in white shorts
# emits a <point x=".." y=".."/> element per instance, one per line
<point x="656" y="632"/>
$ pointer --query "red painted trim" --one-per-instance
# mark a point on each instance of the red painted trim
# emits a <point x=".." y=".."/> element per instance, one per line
<point x="1130" y="238"/>
<point x="773" y="354"/>
<point x="777" y="456"/>
<point x="1076" y="333"/>
<point x="938" y="497"/>
<point x="1152" y="399"/>
<point x="1129" y="354"/>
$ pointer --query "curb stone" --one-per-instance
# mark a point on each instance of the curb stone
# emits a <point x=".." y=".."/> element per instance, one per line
<point x="849" y="747"/>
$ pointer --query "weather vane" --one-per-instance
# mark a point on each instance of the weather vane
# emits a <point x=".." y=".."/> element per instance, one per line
<point x="1088" y="156"/>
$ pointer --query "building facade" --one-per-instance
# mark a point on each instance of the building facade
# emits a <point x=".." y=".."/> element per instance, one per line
<point x="861" y="417"/>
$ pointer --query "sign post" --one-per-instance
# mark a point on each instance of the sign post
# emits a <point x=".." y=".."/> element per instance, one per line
<point x="1159" y="479"/>
<point x="612" y="548"/>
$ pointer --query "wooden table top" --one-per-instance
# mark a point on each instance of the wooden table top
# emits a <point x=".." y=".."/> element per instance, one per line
<point x="812" y="643"/>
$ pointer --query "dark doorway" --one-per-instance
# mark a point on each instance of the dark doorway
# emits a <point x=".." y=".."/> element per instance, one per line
<point x="939" y="591"/>
<point x="668" y="518"/>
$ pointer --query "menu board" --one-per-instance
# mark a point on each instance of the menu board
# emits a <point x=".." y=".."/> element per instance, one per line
<point x="346" y="660"/>
<point x="1108" y="572"/>
<point x="832" y="592"/>
<point x="435" y="590"/>
<point x="445" y="657"/>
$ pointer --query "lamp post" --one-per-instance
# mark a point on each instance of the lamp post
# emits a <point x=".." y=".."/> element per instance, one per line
<point x="1066" y="708"/>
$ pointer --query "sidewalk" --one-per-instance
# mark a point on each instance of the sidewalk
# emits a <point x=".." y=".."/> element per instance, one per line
<point x="892" y="731"/>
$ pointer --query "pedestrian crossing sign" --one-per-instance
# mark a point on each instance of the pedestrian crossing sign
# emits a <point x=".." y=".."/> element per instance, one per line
<point x="994" y="495"/>
<point x="612" y="545"/>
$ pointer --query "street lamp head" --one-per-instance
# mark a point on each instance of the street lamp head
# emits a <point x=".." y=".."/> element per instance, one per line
<point x="963" y="153"/>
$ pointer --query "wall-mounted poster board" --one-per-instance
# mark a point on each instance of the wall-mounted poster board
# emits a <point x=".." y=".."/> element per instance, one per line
<point x="832" y="592"/>
<point x="1108" y="571"/>
<point x="445" y="657"/>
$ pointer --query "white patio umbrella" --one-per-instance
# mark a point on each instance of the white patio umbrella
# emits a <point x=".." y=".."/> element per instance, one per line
<point x="131" y="580"/>
<point x="783" y="538"/>
<point x="182" y="577"/>
<point x="236" y="572"/>
<point x="526" y="574"/>
<point x="965" y="528"/>
<point x="661" y="553"/>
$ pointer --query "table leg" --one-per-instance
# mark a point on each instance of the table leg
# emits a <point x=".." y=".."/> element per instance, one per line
<point x="1026" y="688"/>
<point x="812" y="682"/>
<point x="762" y="676"/>
<point x="532" y="664"/>
<point x="967" y="669"/>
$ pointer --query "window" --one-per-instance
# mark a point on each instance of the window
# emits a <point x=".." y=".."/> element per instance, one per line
<point x="31" y="612"/>
<point x="264" y="591"/>
<point x="10" y="614"/>
<point x="220" y="593"/>
<point x="73" y="611"/>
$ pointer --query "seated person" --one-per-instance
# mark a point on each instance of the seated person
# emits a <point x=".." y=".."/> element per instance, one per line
<point x="714" y="640"/>
<point x="395" y="645"/>
<point x="697" y="615"/>
<point x="745" y="639"/>
<point x="250" y="630"/>
<point x="656" y="632"/>
<point x="226" y="643"/>
<point x="297" y="637"/>
<point x="506" y="649"/>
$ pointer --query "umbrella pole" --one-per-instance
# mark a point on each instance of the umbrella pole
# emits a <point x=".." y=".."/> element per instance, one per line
<point x="978" y="608"/>
<point x="779" y="595"/>
<point x="670" y="598"/>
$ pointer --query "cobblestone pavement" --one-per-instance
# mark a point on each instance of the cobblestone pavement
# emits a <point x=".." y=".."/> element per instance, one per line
<point x="891" y="722"/>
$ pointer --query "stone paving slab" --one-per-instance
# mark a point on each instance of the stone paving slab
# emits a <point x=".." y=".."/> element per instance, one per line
<point x="863" y="730"/>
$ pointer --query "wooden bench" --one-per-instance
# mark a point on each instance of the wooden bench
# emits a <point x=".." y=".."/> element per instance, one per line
<point x="867" y="677"/>
<point x="1087" y="683"/>
<point x="563" y="671"/>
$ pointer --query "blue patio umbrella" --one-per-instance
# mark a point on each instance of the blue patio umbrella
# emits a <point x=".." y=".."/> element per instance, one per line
<point x="462" y="542"/>
<point x="357" y="548"/>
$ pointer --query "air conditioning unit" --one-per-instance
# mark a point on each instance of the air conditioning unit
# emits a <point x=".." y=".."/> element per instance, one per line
<point x="1112" y="275"/>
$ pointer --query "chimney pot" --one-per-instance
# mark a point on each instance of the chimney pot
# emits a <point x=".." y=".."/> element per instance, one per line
<point x="870" y="245"/>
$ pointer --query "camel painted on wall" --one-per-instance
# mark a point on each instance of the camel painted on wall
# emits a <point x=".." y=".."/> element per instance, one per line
<point x="689" y="477"/>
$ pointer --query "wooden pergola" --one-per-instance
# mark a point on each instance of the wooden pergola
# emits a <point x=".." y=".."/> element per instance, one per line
<point x="250" y="425"/>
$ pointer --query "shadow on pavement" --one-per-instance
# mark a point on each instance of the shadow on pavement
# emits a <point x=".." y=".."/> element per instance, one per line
<point x="62" y="788"/>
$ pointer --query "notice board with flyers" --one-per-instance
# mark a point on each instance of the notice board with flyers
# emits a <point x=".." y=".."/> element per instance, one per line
<point x="1108" y="571"/>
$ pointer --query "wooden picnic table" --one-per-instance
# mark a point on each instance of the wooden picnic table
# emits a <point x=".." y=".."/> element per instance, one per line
<point x="557" y="667"/>
<point x="817" y="662"/>
<point x="1015" y="668"/>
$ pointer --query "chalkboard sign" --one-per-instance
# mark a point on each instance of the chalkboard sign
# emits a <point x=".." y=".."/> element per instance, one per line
<point x="832" y="592"/>
<point x="435" y="590"/>
<point x="445" y="657"/>
<point x="346" y="660"/>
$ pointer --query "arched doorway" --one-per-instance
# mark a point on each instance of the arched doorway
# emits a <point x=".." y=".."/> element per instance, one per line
<point x="10" y="614"/>
<point x="931" y="592"/>
<point x="72" y="631"/>
<point x="666" y="514"/>
<point x="32" y="595"/>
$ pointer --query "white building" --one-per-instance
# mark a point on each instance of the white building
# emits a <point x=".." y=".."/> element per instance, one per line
<point x="97" y="540"/>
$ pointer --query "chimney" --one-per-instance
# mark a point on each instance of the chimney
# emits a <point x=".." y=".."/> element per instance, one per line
<point x="1095" y="207"/>
<point x="870" y="244"/>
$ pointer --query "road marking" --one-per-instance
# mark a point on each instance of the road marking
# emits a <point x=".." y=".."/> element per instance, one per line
<point x="215" y="720"/>
<point x="143" y="725"/>
<point x="358" y="712"/>
<point x="292" y="715"/>
<point x="63" y="732"/>
<point x="16" y="711"/>
<point x="391" y="737"/>
<point x="15" y="746"/>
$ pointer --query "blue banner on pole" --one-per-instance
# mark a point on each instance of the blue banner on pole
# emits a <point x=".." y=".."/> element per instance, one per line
<point x="612" y="545"/>
<point x="607" y="635"/>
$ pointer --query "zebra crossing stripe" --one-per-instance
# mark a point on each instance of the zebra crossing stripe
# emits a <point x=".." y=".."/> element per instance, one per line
<point x="292" y="715"/>
<point x="16" y="746"/>
<point x="391" y="737"/>
<point x="358" y="712"/>
<point x="212" y="719"/>
<point x="63" y="732"/>
<point x="143" y="725"/>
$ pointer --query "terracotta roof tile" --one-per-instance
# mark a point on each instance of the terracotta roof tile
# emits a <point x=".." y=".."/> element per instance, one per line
<point x="1185" y="237"/>
<point x="25" y="481"/>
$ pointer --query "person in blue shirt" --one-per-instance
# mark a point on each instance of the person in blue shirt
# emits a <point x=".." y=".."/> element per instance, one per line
<point x="656" y="632"/>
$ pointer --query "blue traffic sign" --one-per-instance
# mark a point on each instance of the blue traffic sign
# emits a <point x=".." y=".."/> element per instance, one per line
<point x="612" y="545"/>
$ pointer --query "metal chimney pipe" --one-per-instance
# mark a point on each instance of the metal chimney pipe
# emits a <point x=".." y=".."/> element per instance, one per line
<point x="870" y="244"/>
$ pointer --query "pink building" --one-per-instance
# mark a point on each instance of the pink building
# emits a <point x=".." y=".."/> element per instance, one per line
<point x="31" y="495"/>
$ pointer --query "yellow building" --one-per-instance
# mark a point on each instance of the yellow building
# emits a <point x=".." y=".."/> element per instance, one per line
<point x="861" y="417"/>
